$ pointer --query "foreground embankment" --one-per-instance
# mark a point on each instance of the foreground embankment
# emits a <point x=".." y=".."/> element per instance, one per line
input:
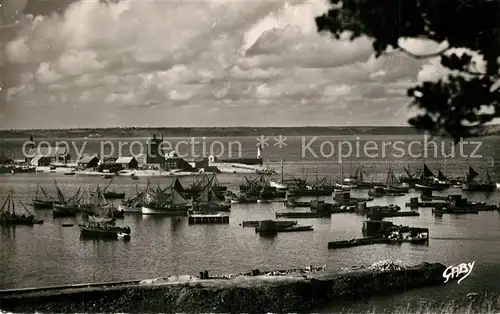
<point x="239" y="294"/>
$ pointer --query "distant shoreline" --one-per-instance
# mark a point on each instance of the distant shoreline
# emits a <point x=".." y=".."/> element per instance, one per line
<point x="221" y="131"/>
<point x="207" y="131"/>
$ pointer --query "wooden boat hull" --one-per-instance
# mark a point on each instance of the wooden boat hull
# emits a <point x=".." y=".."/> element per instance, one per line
<point x="62" y="211"/>
<point x="311" y="193"/>
<point x="20" y="221"/>
<point x="114" y="195"/>
<point x="479" y="187"/>
<point x="374" y="240"/>
<point x="311" y="214"/>
<point x="281" y="223"/>
<point x="130" y="209"/>
<point x="214" y="207"/>
<point x="91" y="232"/>
<point x="279" y="229"/>
<point x="39" y="204"/>
<point x="146" y="210"/>
<point x="420" y="186"/>
<point x="244" y="201"/>
<point x="207" y="219"/>
<point x="297" y="204"/>
<point x="397" y="189"/>
<point x="455" y="211"/>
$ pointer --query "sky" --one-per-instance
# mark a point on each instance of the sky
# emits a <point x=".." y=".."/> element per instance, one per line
<point x="195" y="63"/>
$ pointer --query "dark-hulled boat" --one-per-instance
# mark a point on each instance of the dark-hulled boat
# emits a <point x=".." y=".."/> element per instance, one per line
<point x="66" y="208"/>
<point x="44" y="202"/>
<point x="270" y="227"/>
<point x="112" y="194"/>
<point x="392" y="184"/>
<point x="211" y="200"/>
<point x="428" y="181"/>
<point x="99" y="222"/>
<point x="172" y="204"/>
<point x="99" y="210"/>
<point x="472" y="185"/>
<point x="380" y="191"/>
<point x="357" y="181"/>
<point x="409" y="179"/>
<point x="104" y="231"/>
<point x="9" y="217"/>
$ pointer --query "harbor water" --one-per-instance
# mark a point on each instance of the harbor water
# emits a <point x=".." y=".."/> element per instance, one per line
<point x="50" y="254"/>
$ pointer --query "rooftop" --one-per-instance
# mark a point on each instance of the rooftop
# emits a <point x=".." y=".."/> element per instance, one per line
<point x="124" y="160"/>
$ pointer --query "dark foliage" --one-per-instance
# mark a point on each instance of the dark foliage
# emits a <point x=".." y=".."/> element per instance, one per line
<point x="451" y="105"/>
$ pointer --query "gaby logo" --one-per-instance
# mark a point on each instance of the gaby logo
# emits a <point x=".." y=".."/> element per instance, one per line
<point x="453" y="272"/>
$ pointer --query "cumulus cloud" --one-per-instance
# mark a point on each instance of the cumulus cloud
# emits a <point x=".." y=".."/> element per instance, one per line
<point x="198" y="63"/>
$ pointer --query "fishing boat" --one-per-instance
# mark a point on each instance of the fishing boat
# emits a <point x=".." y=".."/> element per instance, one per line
<point x="44" y="202"/>
<point x="471" y="184"/>
<point x="356" y="181"/>
<point x="291" y="201"/>
<point x="211" y="200"/>
<point x="392" y="184"/>
<point x="9" y="217"/>
<point x="409" y="179"/>
<point x="378" y="191"/>
<point x="71" y="172"/>
<point x="441" y="180"/>
<point x="428" y="181"/>
<point x="173" y="204"/>
<point x="112" y="194"/>
<point x="99" y="222"/>
<point x="66" y="208"/>
<point x="100" y="211"/>
<point x="134" y="204"/>
<point x="271" y="227"/>
<point x="281" y="185"/>
<point x="243" y="199"/>
<point x="97" y="230"/>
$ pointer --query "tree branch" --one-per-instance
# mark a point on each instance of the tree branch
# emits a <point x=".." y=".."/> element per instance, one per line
<point x="431" y="55"/>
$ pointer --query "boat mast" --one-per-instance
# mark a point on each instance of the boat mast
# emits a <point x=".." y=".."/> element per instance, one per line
<point x="341" y="172"/>
<point x="282" y="179"/>
<point x="11" y="199"/>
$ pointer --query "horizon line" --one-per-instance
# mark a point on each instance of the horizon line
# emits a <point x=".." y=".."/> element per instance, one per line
<point x="210" y="127"/>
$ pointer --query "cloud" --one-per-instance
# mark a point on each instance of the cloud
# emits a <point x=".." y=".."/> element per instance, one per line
<point x="198" y="63"/>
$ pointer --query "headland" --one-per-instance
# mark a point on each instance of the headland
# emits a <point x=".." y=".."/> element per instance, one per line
<point x="133" y="132"/>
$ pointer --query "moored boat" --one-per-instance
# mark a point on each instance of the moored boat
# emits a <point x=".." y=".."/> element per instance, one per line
<point x="46" y="202"/>
<point x="211" y="199"/>
<point x="99" y="222"/>
<point x="271" y="227"/>
<point x="9" y="217"/>
<point x="392" y="184"/>
<point x="207" y="218"/>
<point x="104" y="231"/>
<point x="66" y="208"/>
<point x="472" y="185"/>
<point x="173" y="204"/>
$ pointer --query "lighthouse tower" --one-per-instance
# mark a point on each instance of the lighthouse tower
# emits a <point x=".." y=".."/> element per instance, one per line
<point x="259" y="150"/>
